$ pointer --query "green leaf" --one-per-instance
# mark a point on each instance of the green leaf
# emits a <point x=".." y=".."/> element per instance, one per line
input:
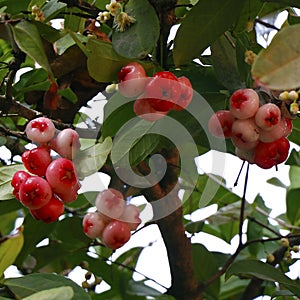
<point x="224" y="60"/>
<point x="294" y="3"/>
<point x="208" y="18"/>
<point x="9" y="250"/>
<point x="117" y="111"/>
<point x="68" y="94"/>
<point x="103" y="62"/>
<point x="33" y="283"/>
<point x="61" y="293"/>
<point x="34" y="232"/>
<point x="29" y="40"/>
<point x="14" y="7"/>
<point x="90" y="160"/>
<point x="6" y="174"/>
<point x="262" y="271"/>
<point x="137" y="41"/>
<point x="278" y="66"/>
<point x="205" y="267"/>
<point x="138" y="288"/>
<point x="69" y="232"/>
<point x="53" y="8"/>
<point x="128" y="137"/>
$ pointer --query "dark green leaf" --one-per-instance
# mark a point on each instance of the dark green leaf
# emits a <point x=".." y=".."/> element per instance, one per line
<point x="15" y="7"/>
<point x="33" y="234"/>
<point x="293" y="3"/>
<point x="224" y="60"/>
<point x="205" y="267"/>
<point x="137" y="41"/>
<point x="68" y="94"/>
<point x="262" y="271"/>
<point x="28" y="39"/>
<point x="52" y="8"/>
<point x="208" y="18"/>
<point x="138" y="288"/>
<point x="33" y="283"/>
<point x="69" y="232"/>
<point x="117" y="111"/>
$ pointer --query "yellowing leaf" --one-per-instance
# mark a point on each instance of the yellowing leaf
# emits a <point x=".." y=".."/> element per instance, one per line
<point x="9" y="250"/>
<point x="278" y="66"/>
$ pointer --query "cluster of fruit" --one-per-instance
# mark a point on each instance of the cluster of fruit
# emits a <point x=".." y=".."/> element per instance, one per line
<point x="258" y="132"/>
<point x="157" y="95"/>
<point x="49" y="182"/>
<point x="113" y="221"/>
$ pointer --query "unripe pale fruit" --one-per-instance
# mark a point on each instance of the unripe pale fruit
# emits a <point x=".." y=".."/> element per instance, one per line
<point x="275" y="133"/>
<point x="35" y="192"/>
<point x="245" y="130"/>
<point x="62" y="177"/>
<point x="110" y="203"/>
<point x="37" y="160"/>
<point x="18" y="178"/>
<point x="40" y="130"/>
<point x="66" y="143"/>
<point x="131" y="216"/>
<point x="93" y="225"/>
<point x="50" y="212"/>
<point x="268" y="116"/>
<point x="116" y="234"/>
<point x="220" y="123"/>
<point x="132" y="80"/>
<point x="244" y="103"/>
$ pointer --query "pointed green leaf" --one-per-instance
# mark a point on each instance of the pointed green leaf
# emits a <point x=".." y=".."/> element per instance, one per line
<point x="262" y="271"/>
<point x="33" y="283"/>
<point x="9" y="250"/>
<point x="61" y="293"/>
<point x="6" y="174"/>
<point x="139" y="39"/>
<point x="29" y="41"/>
<point x="90" y="160"/>
<point x="202" y="26"/>
<point x="103" y="62"/>
<point x="278" y="66"/>
<point x="224" y="60"/>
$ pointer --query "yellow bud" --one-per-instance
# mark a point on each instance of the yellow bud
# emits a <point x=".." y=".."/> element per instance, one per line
<point x="293" y="95"/>
<point x="270" y="258"/>
<point x="284" y="96"/>
<point x="285" y="242"/>
<point x="295" y="249"/>
<point x="294" y="108"/>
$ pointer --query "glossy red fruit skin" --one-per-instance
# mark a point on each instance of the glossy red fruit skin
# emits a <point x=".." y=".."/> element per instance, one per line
<point x="18" y="178"/>
<point x="116" y="234"/>
<point x="50" y="212"/>
<point x="144" y="110"/>
<point x="37" y="160"/>
<point x="186" y="94"/>
<point x="163" y="91"/>
<point x="220" y="123"/>
<point x="93" y="225"/>
<point x="35" y="192"/>
<point x="132" y="80"/>
<point x="267" y="155"/>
